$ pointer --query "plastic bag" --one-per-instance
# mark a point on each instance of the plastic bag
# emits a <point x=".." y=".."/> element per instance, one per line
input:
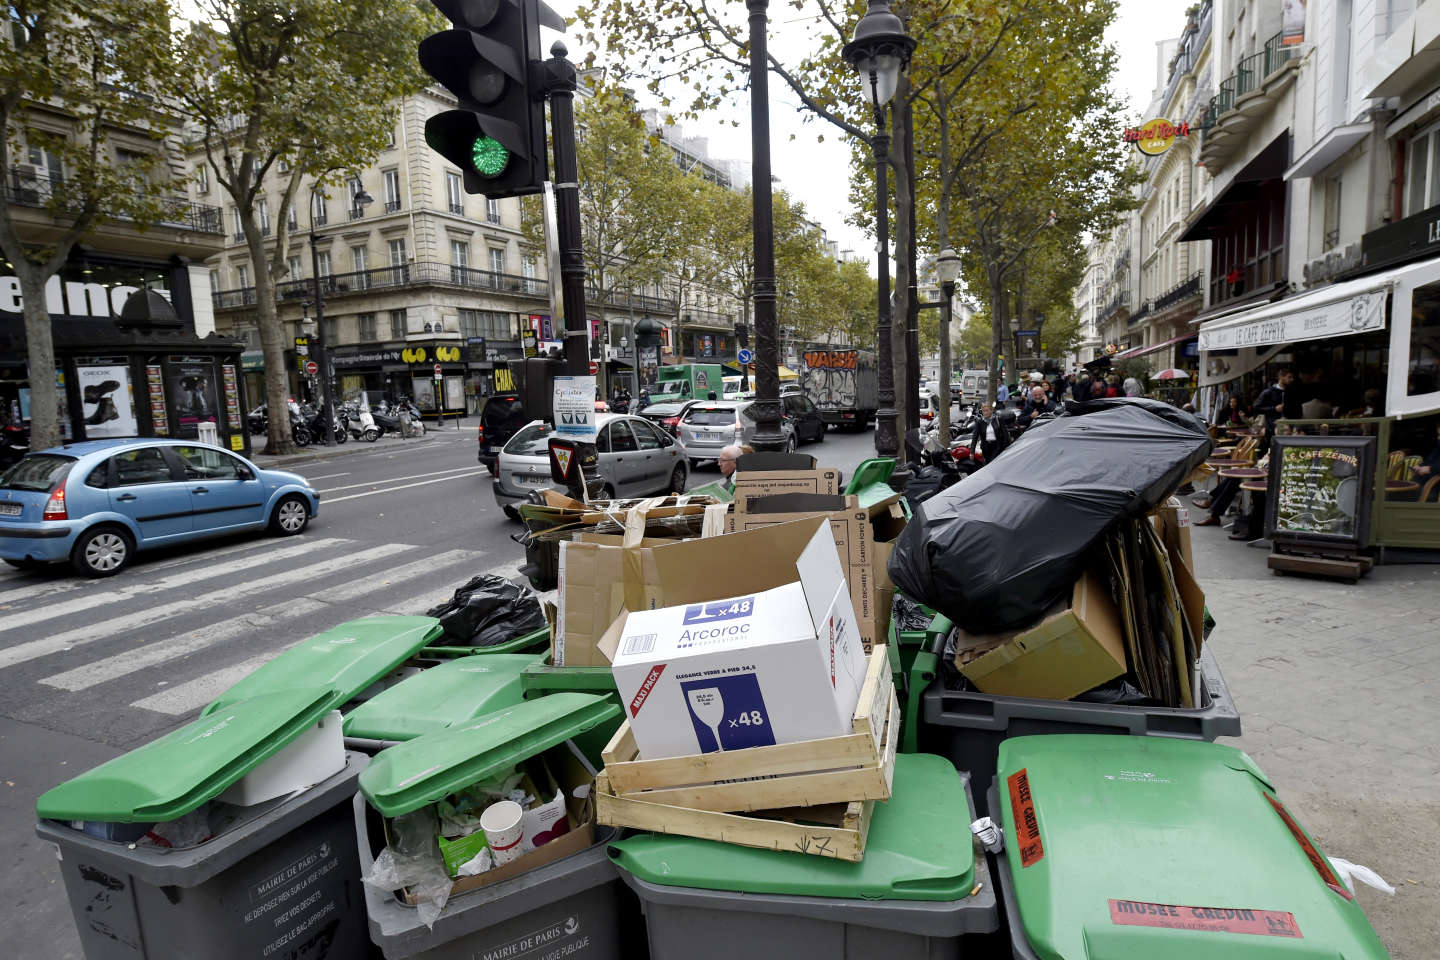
<point x="190" y="830"/>
<point x="1350" y="872"/>
<point x="413" y="862"/>
<point x="996" y="551"/>
<point x="908" y="615"/>
<point x="489" y="610"/>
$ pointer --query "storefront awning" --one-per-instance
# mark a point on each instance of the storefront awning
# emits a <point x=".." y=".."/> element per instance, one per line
<point x="1356" y="306"/>
<point x="1143" y="351"/>
<point x="1330" y="148"/>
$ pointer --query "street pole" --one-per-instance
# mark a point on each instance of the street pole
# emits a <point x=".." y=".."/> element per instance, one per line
<point x="886" y="441"/>
<point x="912" y="304"/>
<point x="322" y="360"/>
<point x="768" y="434"/>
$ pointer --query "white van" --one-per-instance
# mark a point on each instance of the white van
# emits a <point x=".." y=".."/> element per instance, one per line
<point x="974" y="386"/>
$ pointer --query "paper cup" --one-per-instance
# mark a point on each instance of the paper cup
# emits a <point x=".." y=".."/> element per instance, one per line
<point x="502" y="825"/>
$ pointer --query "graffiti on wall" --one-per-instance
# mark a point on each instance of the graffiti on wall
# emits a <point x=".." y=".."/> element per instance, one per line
<point x="829" y="379"/>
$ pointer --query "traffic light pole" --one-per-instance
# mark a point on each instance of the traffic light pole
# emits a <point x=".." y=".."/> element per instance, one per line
<point x="560" y="84"/>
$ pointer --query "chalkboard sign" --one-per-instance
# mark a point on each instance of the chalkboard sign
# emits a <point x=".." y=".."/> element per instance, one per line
<point x="1320" y="489"/>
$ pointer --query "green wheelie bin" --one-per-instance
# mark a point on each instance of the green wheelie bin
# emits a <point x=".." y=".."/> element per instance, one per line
<point x="184" y="848"/>
<point x="918" y="893"/>
<point x="1121" y="848"/>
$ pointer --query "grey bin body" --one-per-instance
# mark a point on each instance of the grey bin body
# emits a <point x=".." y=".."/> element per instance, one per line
<point x="574" y="906"/>
<point x="967" y="726"/>
<point x="284" y="884"/>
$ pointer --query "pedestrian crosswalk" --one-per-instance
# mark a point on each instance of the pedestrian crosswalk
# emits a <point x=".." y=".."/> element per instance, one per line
<point x="161" y="640"/>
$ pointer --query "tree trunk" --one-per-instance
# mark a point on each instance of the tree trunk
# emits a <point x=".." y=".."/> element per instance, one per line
<point x="272" y="342"/>
<point x="40" y="352"/>
<point x="997" y="332"/>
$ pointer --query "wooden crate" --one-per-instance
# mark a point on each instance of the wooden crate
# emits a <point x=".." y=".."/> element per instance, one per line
<point x="834" y="830"/>
<point x="858" y="766"/>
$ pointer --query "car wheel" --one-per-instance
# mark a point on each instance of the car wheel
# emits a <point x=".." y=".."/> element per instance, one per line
<point x="678" y="478"/>
<point x="820" y="434"/>
<point x="102" y="551"/>
<point x="370" y="435"/>
<point x="291" y="515"/>
<point x="790" y="443"/>
<point x="607" y="492"/>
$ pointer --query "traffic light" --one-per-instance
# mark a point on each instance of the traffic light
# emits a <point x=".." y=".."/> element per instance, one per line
<point x="497" y="136"/>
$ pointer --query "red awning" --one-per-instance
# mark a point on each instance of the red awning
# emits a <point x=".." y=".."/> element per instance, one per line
<point x="1142" y="351"/>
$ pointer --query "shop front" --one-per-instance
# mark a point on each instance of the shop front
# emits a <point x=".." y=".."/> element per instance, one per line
<point x="487" y="369"/>
<point x="128" y="361"/>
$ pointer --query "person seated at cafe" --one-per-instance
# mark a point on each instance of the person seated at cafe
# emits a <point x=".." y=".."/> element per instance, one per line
<point x="1234" y="414"/>
<point x="1249" y="527"/>
<point x="1430" y="466"/>
<point x="1372" y="406"/>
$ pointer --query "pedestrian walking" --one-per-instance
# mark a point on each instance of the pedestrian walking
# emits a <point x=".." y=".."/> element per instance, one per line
<point x="989" y="436"/>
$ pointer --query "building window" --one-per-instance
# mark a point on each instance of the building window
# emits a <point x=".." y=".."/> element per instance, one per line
<point x="214" y="280"/>
<point x="294" y="266"/>
<point x="358" y="256"/>
<point x="242" y="276"/>
<point x="392" y="191"/>
<point x="397" y="324"/>
<point x="367" y="328"/>
<point x="291" y="222"/>
<point x="322" y="263"/>
<point x="453" y="192"/>
<point x="459" y="260"/>
<point x="490" y="324"/>
<point x="353" y="189"/>
<point x="527" y="269"/>
<point x="263" y="210"/>
<point x="492" y="210"/>
<point x="239" y="227"/>
<point x="1332" y="214"/>
<point x="47" y="164"/>
<point x="390" y="138"/>
<point x="397" y="260"/>
<point x="202" y="179"/>
<point x="318" y="209"/>
<point x="1422" y="172"/>
<point x="332" y="330"/>
<point x="497" y="260"/>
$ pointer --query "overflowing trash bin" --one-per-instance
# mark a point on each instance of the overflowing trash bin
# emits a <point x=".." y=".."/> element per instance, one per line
<point x="231" y="837"/>
<point x="448" y="693"/>
<point x="549" y="885"/>
<point x="918" y="892"/>
<point x="1128" y="847"/>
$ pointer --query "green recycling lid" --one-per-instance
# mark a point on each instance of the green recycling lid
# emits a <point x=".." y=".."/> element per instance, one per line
<point x="347" y="658"/>
<point x="171" y="776"/>
<point x="442" y="696"/>
<point x="919" y="848"/>
<point x="1126" y="847"/>
<point x="406" y="777"/>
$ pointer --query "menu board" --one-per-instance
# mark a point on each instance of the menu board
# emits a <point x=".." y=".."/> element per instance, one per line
<point x="1321" y="489"/>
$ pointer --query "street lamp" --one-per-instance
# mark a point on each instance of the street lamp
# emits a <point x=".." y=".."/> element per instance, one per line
<point x="768" y="435"/>
<point x="947" y="270"/>
<point x="879" y="52"/>
<point x="359" y="202"/>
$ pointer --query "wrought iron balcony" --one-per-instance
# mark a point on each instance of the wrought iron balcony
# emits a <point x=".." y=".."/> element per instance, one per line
<point x="1184" y="290"/>
<point x="175" y="211"/>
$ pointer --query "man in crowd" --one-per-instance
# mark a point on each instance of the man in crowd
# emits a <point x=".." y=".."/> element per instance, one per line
<point x="990" y="436"/>
<point x="729" y="457"/>
<point x="1039" y="404"/>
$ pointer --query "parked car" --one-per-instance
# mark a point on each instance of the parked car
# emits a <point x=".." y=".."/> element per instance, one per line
<point x="708" y="427"/>
<point x="636" y="459"/>
<point x="99" y="502"/>
<point x="666" y="414"/>
<point x="500" y="417"/>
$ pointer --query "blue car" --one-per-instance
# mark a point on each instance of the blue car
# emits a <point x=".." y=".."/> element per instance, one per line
<point x="97" y="503"/>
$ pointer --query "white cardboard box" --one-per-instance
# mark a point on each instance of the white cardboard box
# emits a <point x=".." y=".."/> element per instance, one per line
<point x="778" y="666"/>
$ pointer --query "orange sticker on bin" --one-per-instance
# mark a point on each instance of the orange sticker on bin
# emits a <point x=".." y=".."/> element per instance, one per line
<point x="1321" y="865"/>
<point x="1260" y="923"/>
<point x="1027" y="825"/>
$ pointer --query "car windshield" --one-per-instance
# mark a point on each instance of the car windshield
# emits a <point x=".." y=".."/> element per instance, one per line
<point x="500" y="409"/>
<point x="669" y="388"/>
<point x="710" y="416"/>
<point x="531" y="441"/>
<point x="37" y="472"/>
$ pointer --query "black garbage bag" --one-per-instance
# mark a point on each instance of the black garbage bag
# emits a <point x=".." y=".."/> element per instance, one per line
<point x="925" y="482"/>
<point x="909" y="615"/>
<point x="488" y="610"/>
<point x="993" y="553"/>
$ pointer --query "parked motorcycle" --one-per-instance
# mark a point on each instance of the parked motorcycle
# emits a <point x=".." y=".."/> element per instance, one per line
<point x="933" y="467"/>
<point x="359" y="422"/>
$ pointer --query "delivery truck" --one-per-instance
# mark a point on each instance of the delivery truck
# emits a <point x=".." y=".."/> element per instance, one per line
<point x="687" y="381"/>
<point x="842" y="383"/>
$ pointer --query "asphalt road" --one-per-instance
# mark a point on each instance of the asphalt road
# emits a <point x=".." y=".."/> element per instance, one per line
<point x="89" y="669"/>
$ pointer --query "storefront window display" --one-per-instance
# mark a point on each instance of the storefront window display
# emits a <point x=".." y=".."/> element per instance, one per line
<point x="1424" y="373"/>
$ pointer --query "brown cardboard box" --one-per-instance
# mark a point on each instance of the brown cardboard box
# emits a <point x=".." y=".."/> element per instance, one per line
<point x="1078" y="645"/>
<point x="1172" y="522"/>
<point x="598" y="581"/>
<point x="766" y="483"/>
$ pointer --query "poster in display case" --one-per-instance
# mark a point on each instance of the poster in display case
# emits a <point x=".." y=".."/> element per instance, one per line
<point x="107" y="402"/>
<point x="190" y="383"/>
<point x="155" y="392"/>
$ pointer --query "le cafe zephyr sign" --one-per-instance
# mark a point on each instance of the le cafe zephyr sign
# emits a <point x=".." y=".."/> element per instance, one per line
<point x="1155" y="137"/>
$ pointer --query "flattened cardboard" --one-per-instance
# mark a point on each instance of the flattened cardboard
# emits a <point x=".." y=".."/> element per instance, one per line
<point x="1077" y="646"/>
<point x="1172" y="522"/>
<point x="767" y="483"/>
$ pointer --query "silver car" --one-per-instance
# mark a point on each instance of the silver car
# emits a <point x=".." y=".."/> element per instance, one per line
<point x="636" y="459"/>
<point x="709" y="426"/>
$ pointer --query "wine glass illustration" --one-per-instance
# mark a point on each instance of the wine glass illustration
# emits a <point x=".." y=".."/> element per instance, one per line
<point x="708" y="706"/>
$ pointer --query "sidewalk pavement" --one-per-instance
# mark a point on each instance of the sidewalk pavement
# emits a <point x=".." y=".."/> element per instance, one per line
<point x="448" y="431"/>
<point x="1338" y="688"/>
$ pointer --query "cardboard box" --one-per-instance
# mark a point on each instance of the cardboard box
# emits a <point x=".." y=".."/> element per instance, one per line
<point x="1172" y="522"/>
<point x="599" y="580"/>
<point x="863" y="538"/>
<point x="767" y="483"/>
<point x="781" y="665"/>
<point x="1078" y="645"/>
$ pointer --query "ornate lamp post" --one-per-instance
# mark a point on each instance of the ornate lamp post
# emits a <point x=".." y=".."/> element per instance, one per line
<point x="879" y="52"/>
<point x="947" y="271"/>
<point x="359" y="202"/>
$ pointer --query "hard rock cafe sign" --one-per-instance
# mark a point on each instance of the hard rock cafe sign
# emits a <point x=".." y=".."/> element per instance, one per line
<point x="1155" y="137"/>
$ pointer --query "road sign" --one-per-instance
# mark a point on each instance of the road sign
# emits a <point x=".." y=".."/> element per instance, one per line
<point x="744" y="356"/>
<point x="311" y="367"/>
<point x="594" y="368"/>
<point x="437" y="371"/>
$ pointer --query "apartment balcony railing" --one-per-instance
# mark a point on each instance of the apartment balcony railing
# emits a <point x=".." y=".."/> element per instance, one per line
<point x="708" y="318"/>
<point x="382" y="278"/>
<point x="1249" y="75"/>
<point x="1140" y="314"/>
<point x="175" y="212"/>
<point x="1184" y="290"/>
<point x="392" y="205"/>
<point x="1121" y="300"/>
<point x="457" y="208"/>
<point x="639" y="301"/>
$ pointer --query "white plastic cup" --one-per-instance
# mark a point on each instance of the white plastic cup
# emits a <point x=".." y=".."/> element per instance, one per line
<point x="502" y="825"/>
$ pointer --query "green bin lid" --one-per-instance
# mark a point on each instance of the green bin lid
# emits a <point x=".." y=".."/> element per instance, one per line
<point x="347" y="658"/>
<point x="442" y="696"/>
<point x="410" y="775"/>
<point x="919" y="848"/>
<point x="171" y="776"/>
<point x="1152" y="847"/>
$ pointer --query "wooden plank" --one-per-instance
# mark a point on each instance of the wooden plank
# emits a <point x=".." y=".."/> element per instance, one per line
<point x="1316" y="566"/>
<point x="621" y="746"/>
<point x="871" y="689"/>
<point x="631" y="774"/>
<point x="815" y="839"/>
<point x="794" y="790"/>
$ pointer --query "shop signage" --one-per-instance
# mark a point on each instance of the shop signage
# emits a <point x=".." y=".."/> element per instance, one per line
<point x="73" y="298"/>
<point x="1322" y="489"/>
<point x="475" y="350"/>
<point x="302" y="352"/>
<point x="365" y="358"/>
<point x="430" y="355"/>
<point x="1358" y="314"/>
<point x="1156" y="136"/>
<point x="1414" y="238"/>
<point x="1327" y="268"/>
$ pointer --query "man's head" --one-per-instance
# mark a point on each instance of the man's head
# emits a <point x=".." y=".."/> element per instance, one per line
<point x="1285" y="377"/>
<point x="1038" y="394"/>
<point x="728" y="458"/>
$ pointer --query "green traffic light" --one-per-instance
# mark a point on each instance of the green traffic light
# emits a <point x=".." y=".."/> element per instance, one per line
<point x="489" y="157"/>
